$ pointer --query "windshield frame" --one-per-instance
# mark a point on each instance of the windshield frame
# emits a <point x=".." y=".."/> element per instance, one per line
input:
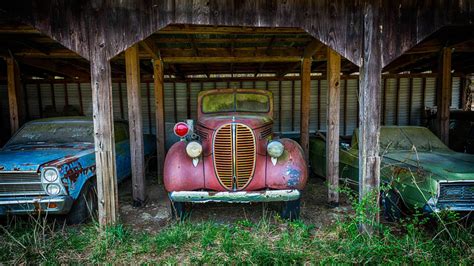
<point x="262" y="92"/>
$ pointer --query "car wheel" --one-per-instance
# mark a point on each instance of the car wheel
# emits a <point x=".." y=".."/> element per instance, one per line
<point x="178" y="210"/>
<point x="85" y="206"/>
<point x="291" y="210"/>
<point x="392" y="205"/>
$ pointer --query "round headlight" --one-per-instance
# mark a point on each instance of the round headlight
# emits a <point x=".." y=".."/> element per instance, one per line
<point x="50" y="175"/>
<point x="275" y="149"/>
<point x="53" y="189"/>
<point x="194" y="149"/>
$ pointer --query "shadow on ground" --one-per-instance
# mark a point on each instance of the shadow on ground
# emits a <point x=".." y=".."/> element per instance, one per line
<point x="156" y="213"/>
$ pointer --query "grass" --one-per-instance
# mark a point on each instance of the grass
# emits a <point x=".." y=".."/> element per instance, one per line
<point x="270" y="241"/>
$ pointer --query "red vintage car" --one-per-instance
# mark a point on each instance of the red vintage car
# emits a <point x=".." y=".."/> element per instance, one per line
<point x="231" y="155"/>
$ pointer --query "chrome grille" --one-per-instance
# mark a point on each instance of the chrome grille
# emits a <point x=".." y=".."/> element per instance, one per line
<point x="234" y="155"/>
<point x="456" y="191"/>
<point x="20" y="184"/>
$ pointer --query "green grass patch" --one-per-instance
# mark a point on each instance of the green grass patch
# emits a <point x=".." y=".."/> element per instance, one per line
<point x="270" y="241"/>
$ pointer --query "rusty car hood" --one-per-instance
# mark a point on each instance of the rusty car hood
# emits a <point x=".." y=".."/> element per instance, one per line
<point x="30" y="158"/>
<point x="252" y="120"/>
<point x="444" y="165"/>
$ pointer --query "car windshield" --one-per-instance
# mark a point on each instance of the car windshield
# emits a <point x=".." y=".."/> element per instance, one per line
<point x="235" y="102"/>
<point x="54" y="133"/>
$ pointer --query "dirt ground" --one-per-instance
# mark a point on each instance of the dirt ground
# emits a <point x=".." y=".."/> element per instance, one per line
<point x="156" y="213"/>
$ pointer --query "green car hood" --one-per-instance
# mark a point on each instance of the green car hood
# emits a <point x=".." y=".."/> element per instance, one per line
<point x="445" y="165"/>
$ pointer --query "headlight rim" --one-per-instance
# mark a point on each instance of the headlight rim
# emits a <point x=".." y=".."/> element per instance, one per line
<point x="194" y="156"/>
<point x="53" y="185"/>
<point x="46" y="170"/>
<point x="275" y="142"/>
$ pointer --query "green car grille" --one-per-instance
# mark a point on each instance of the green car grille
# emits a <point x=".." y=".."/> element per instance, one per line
<point x="456" y="191"/>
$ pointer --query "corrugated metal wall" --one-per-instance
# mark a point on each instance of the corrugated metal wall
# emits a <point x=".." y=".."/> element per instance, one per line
<point x="286" y="101"/>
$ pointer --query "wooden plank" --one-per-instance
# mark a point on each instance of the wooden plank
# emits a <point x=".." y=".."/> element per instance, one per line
<point x="333" y="117"/>
<point x="106" y="172"/>
<point x="81" y="103"/>
<point x="305" y="106"/>
<point x="40" y="99"/>
<point x="369" y="115"/>
<point x="444" y="88"/>
<point x="151" y="48"/>
<point x="160" y="115"/>
<point x="132" y="67"/>
<point x="230" y="59"/>
<point x="12" y="95"/>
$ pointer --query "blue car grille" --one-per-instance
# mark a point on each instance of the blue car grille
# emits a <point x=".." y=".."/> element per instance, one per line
<point x="456" y="191"/>
<point x="20" y="184"/>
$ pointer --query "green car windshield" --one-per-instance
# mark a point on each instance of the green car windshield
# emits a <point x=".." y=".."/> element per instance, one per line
<point x="235" y="102"/>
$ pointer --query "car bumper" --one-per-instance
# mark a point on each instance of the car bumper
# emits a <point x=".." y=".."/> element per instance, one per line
<point x="25" y="205"/>
<point x="431" y="206"/>
<point x="235" y="197"/>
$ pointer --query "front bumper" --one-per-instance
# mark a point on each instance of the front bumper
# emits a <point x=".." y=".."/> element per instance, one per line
<point x="25" y="205"/>
<point x="235" y="197"/>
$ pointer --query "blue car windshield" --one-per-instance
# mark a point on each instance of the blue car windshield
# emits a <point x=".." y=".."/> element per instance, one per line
<point x="54" y="133"/>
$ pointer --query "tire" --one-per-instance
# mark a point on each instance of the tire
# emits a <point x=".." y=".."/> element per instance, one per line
<point x="392" y="205"/>
<point x="85" y="206"/>
<point x="291" y="210"/>
<point x="178" y="210"/>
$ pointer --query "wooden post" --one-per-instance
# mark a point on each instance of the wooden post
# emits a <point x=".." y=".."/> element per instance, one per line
<point x="132" y="69"/>
<point x="444" y="95"/>
<point x="160" y="113"/>
<point x="333" y="115"/>
<point x="12" y="95"/>
<point x="106" y="172"/>
<point x="305" y="105"/>
<point x="369" y="117"/>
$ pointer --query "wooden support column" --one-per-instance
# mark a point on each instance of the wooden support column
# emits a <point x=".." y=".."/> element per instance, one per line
<point x="369" y="117"/>
<point x="305" y="105"/>
<point x="160" y="113"/>
<point x="333" y="117"/>
<point x="12" y="95"/>
<point x="106" y="172"/>
<point x="132" y="68"/>
<point x="444" y="94"/>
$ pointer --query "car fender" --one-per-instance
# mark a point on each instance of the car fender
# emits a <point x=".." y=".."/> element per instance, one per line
<point x="290" y="170"/>
<point x="179" y="172"/>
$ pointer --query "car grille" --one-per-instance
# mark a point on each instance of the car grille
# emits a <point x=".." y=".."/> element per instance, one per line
<point x="20" y="184"/>
<point x="456" y="191"/>
<point x="234" y="155"/>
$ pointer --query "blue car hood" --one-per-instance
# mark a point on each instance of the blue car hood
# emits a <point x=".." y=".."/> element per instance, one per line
<point x="28" y="159"/>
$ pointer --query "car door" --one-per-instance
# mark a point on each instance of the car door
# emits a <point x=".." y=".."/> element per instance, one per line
<point x="122" y="151"/>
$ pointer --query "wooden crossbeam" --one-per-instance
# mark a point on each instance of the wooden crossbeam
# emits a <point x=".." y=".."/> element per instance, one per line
<point x="150" y="47"/>
<point x="230" y="59"/>
<point x="312" y="48"/>
<point x="267" y="52"/>
<point x="60" y="68"/>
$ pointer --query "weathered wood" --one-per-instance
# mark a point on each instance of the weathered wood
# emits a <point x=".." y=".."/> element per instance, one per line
<point x="12" y="95"/>
<point x="369" y="127"/>
<point x="230" y="59"/>
<point x="160" y="115"/>
<point x="333" y="115"/>
<point x="444" y="95"/>
<point x="106" y="172"/>
<point x="305" y="105"/>
<point x="151" y="49"/>
<point x="132" y="66"/>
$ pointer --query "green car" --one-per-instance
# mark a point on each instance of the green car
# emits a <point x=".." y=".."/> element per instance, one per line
<point x="419" y="170"/>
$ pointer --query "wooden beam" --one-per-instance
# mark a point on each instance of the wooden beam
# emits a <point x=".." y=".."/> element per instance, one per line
<point x="312" y="48"/>
<point x="333" y="117"/>
<point x="444" y="89"/>
<point x="160" y="115"/>
<point x="305" y="105"/>
<point x="369" y="117"/>
<point x="132" y="67"/>
<point x="59" y="68"/>
<point x="12" y="95"/>
<point x="106" y="172"/>
<point x="151" y="48"/>
<point x="230" y="59"/>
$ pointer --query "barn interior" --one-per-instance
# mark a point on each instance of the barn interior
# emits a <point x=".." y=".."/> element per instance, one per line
<point x="41" y="78"/>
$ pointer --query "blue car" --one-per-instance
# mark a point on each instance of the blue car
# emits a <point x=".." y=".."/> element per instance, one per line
<point x="48" y="166"/>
